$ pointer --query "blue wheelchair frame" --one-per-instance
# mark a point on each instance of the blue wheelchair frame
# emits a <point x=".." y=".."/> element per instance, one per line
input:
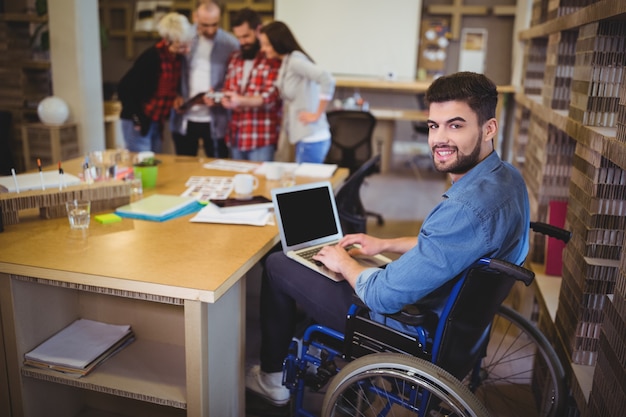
<point x="425" y="344"/>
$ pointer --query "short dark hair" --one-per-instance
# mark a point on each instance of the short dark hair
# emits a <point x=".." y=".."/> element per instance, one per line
<point x="478" y="91"/>
<point x="246" y="15"/>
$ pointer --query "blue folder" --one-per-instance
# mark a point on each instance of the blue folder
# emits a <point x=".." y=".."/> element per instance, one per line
<point x="159" y="208"/>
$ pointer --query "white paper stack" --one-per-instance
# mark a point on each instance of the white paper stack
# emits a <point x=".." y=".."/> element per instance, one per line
<point x="212" y="214"/>
<point x="80" y="347"/>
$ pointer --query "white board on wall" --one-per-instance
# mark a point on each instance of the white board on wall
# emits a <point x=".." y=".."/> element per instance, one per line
<point x="356" y="37"/>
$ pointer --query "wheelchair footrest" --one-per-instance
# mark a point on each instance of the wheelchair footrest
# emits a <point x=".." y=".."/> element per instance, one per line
<point x="326" y="370"/>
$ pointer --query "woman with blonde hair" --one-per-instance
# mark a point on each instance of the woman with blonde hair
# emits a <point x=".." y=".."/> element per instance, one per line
<point x="147" y="91"/>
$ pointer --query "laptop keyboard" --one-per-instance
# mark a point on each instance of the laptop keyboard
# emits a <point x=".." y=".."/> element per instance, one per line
<point x="309" y="254"/>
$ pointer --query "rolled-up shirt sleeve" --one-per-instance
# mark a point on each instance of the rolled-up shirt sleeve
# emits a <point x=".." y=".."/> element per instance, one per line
<point x="362" y="279"/>
<point x="441" y="253"/>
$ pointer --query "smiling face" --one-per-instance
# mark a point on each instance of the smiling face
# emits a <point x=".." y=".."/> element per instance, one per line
<point x="456" y="140"/>
<point x="267" y="47"/>
<point x="248" y="40"/>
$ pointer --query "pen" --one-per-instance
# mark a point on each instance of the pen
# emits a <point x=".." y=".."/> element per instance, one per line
<point x="40" y="174"/>
<point x="87" y="172"/>
<point x="61" y="177"/>
<point x="17" y="187"/>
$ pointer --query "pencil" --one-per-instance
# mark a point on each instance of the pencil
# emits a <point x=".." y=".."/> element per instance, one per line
<point x="40" y="174"/>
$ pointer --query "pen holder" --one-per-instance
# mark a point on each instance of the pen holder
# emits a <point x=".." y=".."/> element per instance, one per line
<point x="148" y="175"/>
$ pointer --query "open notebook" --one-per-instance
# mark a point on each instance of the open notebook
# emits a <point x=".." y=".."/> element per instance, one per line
<point x="307" y="219"/>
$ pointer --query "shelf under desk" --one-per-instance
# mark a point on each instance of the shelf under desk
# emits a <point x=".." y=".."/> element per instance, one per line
<point x="144" y="370"/>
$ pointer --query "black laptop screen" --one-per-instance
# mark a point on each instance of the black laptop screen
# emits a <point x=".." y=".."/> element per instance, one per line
<point x="306" y="215"/>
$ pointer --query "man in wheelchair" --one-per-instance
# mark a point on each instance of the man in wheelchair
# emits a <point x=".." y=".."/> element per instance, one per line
<point x="485" y="213"/>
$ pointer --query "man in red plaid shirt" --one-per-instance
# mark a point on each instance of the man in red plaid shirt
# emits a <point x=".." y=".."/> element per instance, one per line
<point x="250" y="92"/>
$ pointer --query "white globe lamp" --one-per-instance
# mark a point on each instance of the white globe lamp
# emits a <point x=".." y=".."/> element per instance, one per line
<point x="53" y="111"/>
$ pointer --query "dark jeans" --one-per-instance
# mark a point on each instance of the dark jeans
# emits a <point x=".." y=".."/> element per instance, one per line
<point x="285" y="285"/>
<point x="188" y="144"/>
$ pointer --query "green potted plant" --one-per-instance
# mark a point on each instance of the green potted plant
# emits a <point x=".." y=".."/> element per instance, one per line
<point x="148" y="170"/>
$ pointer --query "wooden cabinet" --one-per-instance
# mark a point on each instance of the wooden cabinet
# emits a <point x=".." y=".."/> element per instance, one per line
<point x="571" y="145"/>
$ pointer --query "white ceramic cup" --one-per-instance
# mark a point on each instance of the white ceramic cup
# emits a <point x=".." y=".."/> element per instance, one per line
<point x="245" y="184"/>
<point x="273" y="172"/>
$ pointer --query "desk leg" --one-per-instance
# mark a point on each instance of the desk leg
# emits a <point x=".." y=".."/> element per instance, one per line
<point x="384" y="132"/>
<point x="215" y="354"/>
<point x="10" y="400"/>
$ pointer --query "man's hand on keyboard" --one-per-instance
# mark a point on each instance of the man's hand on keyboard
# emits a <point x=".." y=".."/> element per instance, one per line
<point x="337" y="259"/>
<point x="362" y="244"/>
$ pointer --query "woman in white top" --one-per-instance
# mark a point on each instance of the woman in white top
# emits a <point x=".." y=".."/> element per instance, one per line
<point x="305" y="89"/>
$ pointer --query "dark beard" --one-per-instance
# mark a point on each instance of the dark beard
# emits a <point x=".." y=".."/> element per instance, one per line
<point x="464" y="162"/>
<point x="249" y="52"/>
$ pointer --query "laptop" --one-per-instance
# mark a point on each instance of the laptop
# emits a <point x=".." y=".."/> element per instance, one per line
<point x="308" y="220"/>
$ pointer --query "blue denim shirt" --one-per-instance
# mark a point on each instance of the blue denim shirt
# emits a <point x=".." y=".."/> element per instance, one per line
<point x="484" y="214"/>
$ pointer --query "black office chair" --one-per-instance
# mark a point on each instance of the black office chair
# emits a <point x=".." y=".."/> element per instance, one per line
<point x="351" y="138"/>
<point x="6" y="157"/>
<point x="352" y="214"/>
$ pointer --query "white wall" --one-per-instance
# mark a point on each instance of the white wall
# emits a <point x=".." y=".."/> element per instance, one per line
<point x="356" y="37"/>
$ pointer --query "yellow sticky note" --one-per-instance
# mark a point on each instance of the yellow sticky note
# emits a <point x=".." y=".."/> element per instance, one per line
<point x="108" y="218"/>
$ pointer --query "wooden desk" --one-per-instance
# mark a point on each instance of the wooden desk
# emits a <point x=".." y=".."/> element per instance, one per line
<point x="387" y="117"/>
<point x="179" y="285"/>
<point x="396" y="86"/>
<point x="382" y="85"/>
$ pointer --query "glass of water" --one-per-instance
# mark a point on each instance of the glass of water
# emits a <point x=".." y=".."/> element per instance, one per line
<point x="78" y="214"/>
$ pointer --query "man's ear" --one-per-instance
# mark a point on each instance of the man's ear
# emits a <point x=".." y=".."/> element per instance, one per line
<point x="490" y="129"/>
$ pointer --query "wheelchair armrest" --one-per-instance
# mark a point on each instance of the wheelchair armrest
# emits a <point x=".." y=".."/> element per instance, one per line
<point x="410" y="315"/>
<point x="551" y="231"/>
<point x="519" y="273"/>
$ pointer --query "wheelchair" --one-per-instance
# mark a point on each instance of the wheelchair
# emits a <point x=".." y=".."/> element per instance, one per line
<point x="468" y="355"/>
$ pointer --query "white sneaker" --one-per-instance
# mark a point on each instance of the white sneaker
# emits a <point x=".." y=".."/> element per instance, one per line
<point x="267" y="385"/>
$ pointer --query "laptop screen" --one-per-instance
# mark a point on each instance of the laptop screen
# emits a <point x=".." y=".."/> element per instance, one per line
<point x="307" y="214"/>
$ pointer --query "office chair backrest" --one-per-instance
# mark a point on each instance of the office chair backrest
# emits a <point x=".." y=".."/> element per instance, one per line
<point x="351" y="138"/>
<point x="6" y="156"/>
<point x="352" y="214"/>
<point x="465" y="322"/>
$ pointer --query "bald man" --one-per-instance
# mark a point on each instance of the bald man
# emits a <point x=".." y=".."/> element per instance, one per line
<point x="204" y="70"/>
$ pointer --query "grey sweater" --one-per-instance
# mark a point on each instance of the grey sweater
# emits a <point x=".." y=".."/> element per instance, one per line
<point x="301" y="84"/>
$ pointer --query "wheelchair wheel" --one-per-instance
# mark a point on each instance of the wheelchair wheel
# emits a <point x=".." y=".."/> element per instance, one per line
<point x="392" y="384"/>
<point x="521" y="374"/>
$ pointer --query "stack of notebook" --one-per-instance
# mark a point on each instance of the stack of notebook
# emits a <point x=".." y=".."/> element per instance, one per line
<point x="159" y="207"/>
<point x="80" y="347"/>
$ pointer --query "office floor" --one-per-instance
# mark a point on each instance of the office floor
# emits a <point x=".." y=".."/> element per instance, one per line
<point x="403" y="197"/>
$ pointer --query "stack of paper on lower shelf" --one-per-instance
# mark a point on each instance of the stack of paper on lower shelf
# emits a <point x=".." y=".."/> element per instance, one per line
<point x="80" y="347"/>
